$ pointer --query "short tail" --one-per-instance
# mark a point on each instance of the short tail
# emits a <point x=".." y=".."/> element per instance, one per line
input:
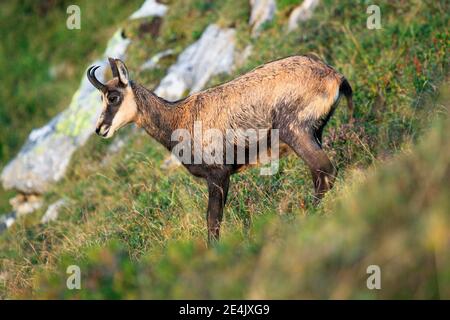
<point x="346" y="89"/>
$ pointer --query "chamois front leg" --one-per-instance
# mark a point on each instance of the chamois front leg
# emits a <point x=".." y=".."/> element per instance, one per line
<point x="217" y="191"/>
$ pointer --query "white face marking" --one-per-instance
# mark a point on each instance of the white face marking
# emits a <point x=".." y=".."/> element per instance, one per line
<point x="126" y="113"/>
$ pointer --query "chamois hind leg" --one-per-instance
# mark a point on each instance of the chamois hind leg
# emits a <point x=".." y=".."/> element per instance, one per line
<point x="306" y="143"/>
<point x="218" y="184"/>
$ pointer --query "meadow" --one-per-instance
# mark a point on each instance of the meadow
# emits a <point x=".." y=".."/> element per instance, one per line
<point x="138" y="231"/>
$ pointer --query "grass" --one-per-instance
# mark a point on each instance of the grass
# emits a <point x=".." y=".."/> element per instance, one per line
<point x="43" y="62"/>
<point x="138" y="231"/>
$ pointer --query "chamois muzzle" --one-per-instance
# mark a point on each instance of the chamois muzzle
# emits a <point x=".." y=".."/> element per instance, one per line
<point x="91" y="76"/>
<point x="103" y="130"/>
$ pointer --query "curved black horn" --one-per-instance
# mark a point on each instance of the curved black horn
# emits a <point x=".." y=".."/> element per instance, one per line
<point x="91" y="76"/>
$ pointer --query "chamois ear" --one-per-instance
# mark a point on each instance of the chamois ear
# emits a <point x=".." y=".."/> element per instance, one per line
<point x="112" y="64"/>
<point x="122" y="71"/>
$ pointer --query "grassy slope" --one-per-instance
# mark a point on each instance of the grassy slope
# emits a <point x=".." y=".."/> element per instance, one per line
<point x="130" y="218"/>
<point x="395" y="215"/>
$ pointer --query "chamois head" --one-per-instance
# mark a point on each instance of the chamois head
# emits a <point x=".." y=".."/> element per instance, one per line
<point x="119" y="107"/>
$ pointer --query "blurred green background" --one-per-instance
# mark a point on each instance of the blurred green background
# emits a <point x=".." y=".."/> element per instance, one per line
<point x="138" y="231"/>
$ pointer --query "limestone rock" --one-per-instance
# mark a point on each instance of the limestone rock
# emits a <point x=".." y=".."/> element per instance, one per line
<point x="212" y="54"/>
<point x="302" y="13"/>
<point x="153" y="61"/>
<point x="44" y="158"/>
<point x="150" y="8"/>
<point x="262" y="11"/>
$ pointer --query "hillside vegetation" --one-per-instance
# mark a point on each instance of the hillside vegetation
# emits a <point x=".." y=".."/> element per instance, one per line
<point x="44" y="61"/>
<point x="138" y="231"/>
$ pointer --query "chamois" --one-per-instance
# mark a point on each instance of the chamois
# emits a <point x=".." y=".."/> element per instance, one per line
<point x="296" y="95"/>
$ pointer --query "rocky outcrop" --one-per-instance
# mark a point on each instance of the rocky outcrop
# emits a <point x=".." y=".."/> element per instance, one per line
<point x="302" y="13"/>
<point x="150" y="8"/>
<point x="44" y="158"/>
<point x="262" y="11"/>
<point x="153" y="61"/>
<point x="212" y="54"/>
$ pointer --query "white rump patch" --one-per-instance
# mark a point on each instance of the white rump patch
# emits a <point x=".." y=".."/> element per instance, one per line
<point x="337" y="95"/>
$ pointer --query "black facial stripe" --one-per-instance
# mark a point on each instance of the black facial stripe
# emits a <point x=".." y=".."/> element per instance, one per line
<point x="110" y="113"/>
<point x="112" y="108"/>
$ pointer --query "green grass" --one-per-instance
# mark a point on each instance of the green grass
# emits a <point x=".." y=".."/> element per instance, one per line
<point x="43" y="62"/>
<point x="394" y="215"/>
<point x="138" y="231"/>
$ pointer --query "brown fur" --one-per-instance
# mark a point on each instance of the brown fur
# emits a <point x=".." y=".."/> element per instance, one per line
<point x="296" y="95"/>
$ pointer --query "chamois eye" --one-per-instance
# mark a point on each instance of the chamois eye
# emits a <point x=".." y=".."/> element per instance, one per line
<point x="113" y="99"/>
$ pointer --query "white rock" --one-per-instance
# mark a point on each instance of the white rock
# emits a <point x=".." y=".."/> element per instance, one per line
<point x="53" y="211"/>
<point x="44" y="158"/>
<point x="7" y="220"/>
<point x="212" y="54"/>
<point x="150" y="8"/>
<point x="302" y="13"/>
<point x="262" y="11"/>
<point x="153" y="61"/>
